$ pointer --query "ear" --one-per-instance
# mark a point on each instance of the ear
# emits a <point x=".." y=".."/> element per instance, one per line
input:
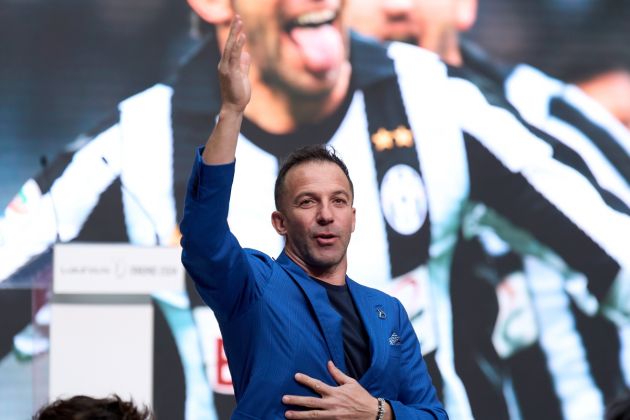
<point x="215" y="12"/>
<point x="278" y="222"/>
<point x="354" y="218"/>
<point x="466" y="14"/>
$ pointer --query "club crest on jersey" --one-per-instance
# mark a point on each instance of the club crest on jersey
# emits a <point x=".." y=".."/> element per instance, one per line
<point x="385" y="139"/>
<point x="404" y="199"/>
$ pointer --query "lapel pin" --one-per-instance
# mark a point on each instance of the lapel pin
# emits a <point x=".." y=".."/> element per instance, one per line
<point x="380" y="312"/>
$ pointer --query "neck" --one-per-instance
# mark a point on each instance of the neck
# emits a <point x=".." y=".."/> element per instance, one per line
<point x="447" y="47"/>
<point x="453" y="57"/>
<point x="279" y="112"/>
<point x="335" y="275"/>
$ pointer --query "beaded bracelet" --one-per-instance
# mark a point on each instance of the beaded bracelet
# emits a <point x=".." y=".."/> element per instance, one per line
<point x="380" y="414"/>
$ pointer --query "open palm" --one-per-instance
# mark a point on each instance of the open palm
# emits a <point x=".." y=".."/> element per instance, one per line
<point x="234" y="69"/>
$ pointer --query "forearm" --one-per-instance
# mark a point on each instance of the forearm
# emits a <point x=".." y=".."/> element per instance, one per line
<point x="221" y="145"/>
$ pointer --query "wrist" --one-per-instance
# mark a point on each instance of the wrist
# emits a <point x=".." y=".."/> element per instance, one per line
<point x="384" y="410"/>
<point x="380" y="408"/>
<point x="229" y="113"/>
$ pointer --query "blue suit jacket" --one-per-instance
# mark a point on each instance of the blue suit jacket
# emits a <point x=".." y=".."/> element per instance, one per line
<point x="276" y="321"/>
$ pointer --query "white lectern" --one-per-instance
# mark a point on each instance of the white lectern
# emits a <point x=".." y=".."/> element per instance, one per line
<point x="101" y="331"/>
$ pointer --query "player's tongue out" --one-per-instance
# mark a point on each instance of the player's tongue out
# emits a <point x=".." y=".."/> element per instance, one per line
<point x="321" y="46"/>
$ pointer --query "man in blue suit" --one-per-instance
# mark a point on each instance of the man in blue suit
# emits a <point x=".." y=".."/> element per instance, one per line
<point x="302" y="339"/>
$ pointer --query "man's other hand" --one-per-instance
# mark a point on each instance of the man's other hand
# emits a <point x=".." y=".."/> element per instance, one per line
<point x="349" y="400"/>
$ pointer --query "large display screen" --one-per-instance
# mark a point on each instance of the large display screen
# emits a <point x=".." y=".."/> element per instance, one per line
<point x="526" y="336"/>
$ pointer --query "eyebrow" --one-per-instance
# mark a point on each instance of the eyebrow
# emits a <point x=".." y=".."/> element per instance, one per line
<point x="342" y="192"/>
<point x="312" y="194"/>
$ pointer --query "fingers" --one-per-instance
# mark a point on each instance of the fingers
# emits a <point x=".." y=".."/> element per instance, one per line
<point x="235" y="29"/>
<point x="315" y="414"/>
<point x="315" y="384"/>
<point x="338" y="375"/>
<point x="308" y="402"/>
<point x="245" y="60"/>
<point x="233" y="45"/>
<point x="237" y="49"/>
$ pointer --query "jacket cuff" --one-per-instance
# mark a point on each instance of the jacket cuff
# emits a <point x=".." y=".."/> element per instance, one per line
<point x="210" y="177"/>
<point x="401" y="411"/>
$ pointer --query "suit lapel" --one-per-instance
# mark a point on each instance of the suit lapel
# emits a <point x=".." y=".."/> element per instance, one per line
<point x="369" y="308"/>
<point x="328" y="319"/>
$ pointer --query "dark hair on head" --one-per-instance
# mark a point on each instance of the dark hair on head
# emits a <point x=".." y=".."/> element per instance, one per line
<point x="314" y="153"/>
<point x="82" y="407"/>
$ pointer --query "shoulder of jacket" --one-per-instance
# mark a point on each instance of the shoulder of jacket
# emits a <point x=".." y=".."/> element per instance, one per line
<point x="260" y="256"/>
<point x="374" y="293"/>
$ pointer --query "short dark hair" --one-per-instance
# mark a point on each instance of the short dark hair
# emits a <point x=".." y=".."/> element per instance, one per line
<point x="313" y="153"/>
<point x="82" y="407"/>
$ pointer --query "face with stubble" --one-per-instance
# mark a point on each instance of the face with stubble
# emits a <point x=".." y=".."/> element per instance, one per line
<point x="316" y="216"/>
<point x="298" y="46"/>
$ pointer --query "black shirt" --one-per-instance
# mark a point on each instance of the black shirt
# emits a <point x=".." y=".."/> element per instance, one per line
<point x="356" y="344"/>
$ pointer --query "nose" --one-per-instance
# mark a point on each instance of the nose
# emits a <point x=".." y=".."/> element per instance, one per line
<point x="397" y="8"/>
<point x="325" y="215"/>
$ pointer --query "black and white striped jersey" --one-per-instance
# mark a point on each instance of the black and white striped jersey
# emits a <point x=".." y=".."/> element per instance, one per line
<point x="592" y="146"/>
<point x="569" y="114"/>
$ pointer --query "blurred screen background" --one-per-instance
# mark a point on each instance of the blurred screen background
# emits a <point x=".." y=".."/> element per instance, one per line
<point x="65" y="64"/>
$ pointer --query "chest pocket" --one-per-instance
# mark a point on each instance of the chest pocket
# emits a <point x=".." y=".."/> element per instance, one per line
<point x="384" y="377"/>
<point x="393" y="372"/>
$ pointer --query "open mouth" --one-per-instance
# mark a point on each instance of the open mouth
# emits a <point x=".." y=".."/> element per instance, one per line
<point x="318" y="40"/>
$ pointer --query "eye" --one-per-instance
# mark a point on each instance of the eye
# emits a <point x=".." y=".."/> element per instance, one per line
<point x="340" y="201"/>
<point x="306" y="202"/>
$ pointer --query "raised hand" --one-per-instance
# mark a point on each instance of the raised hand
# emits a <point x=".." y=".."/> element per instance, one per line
<point x="234" y="69"/>
<point x="235" y="94"/>
<point x="349" y="400"/>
